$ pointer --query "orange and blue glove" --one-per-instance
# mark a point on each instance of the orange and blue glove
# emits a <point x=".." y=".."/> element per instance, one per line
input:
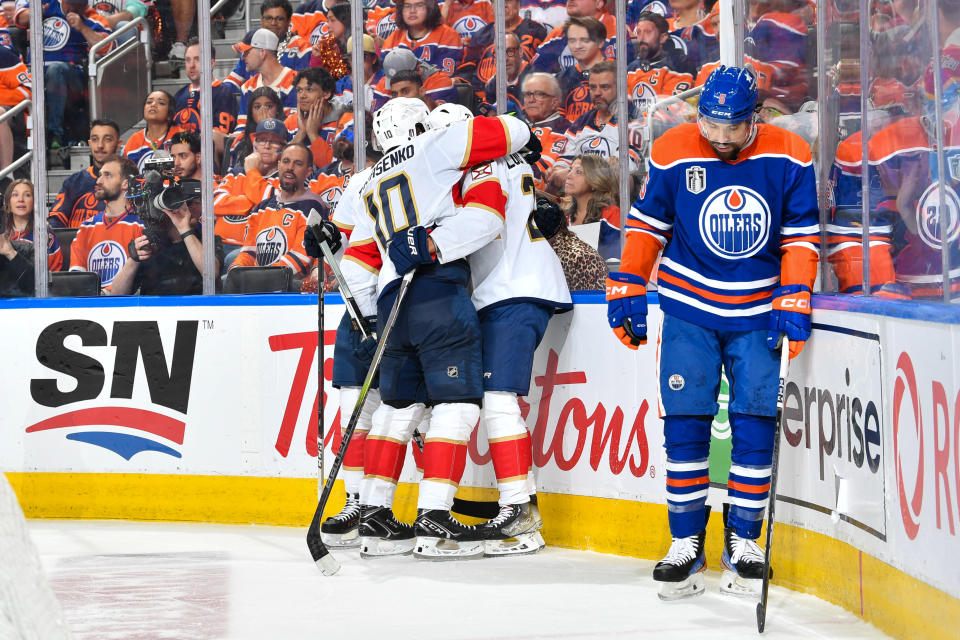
<point x="627" y="308"/>
<point x="791" y="316"/>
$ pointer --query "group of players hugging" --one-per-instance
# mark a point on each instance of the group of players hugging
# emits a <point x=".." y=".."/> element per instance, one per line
<point x="731" y="205"/>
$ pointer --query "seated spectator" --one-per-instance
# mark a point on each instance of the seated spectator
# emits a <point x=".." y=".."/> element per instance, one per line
<point x="309" y="20"/>
<point x="65" y="52"/>
<point x="169" y="259"/>
<point x="242" y="188"/>
<point x="339" y="19"/>
<point x="585" y="38"/>
<point x="554" y="55"/>
<point x="655" y="48"/>
<point x="18" y="204"/>
<point x="259" y="52"/>
<point x="541" y="99"/>
<point x="76" y="201"/>
<point x="583" y="268"/>
<point x="381" y="20"/>
<point x="592" y="189"/>
<point x="187" y="159"/>
<point x="551" y="13"/>
<point x="292" y="51"/>
<point x="187" y="99"/>
<point x="14" y="88"/>
<point x="158" y="112"/>
<point x="372" y="72"/>
<point x="686" y="13"/>
<point x="262" y="103"/>
<point x="420" y="29"/>
<point x="317" y="119"/>
<point x="516" y="70"/>
<point x="102" y="241"/>
<point x="431" y="82"/>
<point x="16" y="269"/>
<point x="467" y="17"/>
<point x="636" y="7"/>
<point x="779" y="38"/>
<point x="700" y="39"/>
<point x="478" y="65"/>
<point x="274" y="230"/>
<point x="118" y="13"/>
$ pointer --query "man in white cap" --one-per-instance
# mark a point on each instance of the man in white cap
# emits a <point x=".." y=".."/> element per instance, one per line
<point x="437" y="84"/>
<point x="259" y="52"/>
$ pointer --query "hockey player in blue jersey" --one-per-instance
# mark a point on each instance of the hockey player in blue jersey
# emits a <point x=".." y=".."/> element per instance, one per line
<point x="733" y="206"/>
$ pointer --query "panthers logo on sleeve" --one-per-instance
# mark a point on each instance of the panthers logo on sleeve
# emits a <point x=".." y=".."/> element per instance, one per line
<point x="735" y="222"/>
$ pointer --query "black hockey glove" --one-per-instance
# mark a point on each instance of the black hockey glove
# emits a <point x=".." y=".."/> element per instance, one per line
<point x="548" y="217"/>
<point x="364" y="347"/>
<point x="324" y="232"/>
<point x="531" y="151"/>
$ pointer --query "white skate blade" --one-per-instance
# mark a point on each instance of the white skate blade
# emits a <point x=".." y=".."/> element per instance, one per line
<point x="689" y="588"/>
<point x="328" y="565"/>
<point x="733" y="585"/>
<point x="348" y="540"/>
<point x="522" y="545"/>
<point x="440" y="549"/>
<point x="380" y="548"/>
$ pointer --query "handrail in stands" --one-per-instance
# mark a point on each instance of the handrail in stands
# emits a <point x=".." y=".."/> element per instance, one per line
<point x="246" y="11"/>
<point x="92" y="63"/>
<point x="19" y="162"/>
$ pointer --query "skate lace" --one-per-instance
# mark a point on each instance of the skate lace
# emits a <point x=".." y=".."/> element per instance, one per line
<point x="350" y="510"/>
<point x="745" y="549"/>
<point x="505" y="514"/>
<point x="682" y="550"/>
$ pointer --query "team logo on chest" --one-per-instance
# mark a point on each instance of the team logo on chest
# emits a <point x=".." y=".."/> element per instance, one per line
<point x="106" y="258"/>
<point x="935" y="219"/>
<point x="271" y="244"/>
<point x="696" y="179"/>
<point x="56" y="32"/>
<point x="734" y="222"/>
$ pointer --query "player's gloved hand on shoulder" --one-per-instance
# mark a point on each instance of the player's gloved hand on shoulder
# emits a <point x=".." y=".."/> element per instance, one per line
<point x="324" y="232"/>
<point x="409" y="249"/>
<point x="627" y="308"/>
<point x="532" y="150"/>
<point x="790" y="316"/>
<point x="365" y="347"/>
<point x="547" y="216"/>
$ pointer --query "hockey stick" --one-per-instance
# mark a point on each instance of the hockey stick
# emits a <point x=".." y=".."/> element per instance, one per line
<point x="321" y="555"/>
<point x="320" y="390"/>
<point x="772" y="499"/>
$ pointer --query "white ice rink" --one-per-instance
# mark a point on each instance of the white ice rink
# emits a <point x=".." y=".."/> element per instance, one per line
<point x="137" y="581"/>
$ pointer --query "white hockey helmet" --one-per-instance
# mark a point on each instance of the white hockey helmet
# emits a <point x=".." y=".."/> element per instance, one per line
<point x="395" y="123"/>
<point x="446" y="114"/>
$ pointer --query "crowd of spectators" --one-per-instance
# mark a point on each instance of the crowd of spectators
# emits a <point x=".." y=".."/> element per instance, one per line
<point x="291" y="87"/>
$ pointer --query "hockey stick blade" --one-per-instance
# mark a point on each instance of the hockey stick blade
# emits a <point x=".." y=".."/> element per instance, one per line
<point x="321" y="555"/>
<point x="772" y="499"/>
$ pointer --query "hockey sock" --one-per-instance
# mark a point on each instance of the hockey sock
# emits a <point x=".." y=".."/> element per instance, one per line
<point x="510" y="446"/>
<point x="749" y="484"/>
<point x="352" y="470"/>
<point x="384" y="454"/>
<point x="445" y="453"/>
<point x="687" y="441"/>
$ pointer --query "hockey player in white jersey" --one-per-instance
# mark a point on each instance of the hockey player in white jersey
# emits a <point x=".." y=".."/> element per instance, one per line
<point x="434" y="352"/>
<point x="517" y="284"/>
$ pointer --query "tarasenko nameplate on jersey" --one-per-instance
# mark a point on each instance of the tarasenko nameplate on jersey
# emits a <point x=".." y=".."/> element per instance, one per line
<point x="735" y="222"/>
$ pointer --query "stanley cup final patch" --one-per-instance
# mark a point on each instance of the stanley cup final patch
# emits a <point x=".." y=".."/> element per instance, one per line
<point x="696" y="179"/>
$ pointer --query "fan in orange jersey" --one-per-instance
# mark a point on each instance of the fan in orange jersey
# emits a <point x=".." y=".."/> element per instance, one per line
<point x="420" y="29"/>
<point x="18" y="203"/>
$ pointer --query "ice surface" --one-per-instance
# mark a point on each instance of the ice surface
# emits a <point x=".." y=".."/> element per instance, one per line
<point x="140" y="581"/>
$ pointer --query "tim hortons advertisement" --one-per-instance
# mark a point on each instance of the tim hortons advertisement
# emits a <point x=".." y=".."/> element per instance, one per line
<point x="232" y="391"/>
<point x="832" y="448"/>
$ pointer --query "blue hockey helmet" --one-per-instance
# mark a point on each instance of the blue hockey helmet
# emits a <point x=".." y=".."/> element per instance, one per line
<point x="729" y="95"/>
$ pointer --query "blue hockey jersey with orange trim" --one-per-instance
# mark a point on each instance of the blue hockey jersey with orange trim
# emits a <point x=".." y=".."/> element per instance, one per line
<point x="554" y="55"/>
<point x="75" y="204"/>
<point x="731" y="232"/>
<point x="441" y="47"/>
<point x="224" y="106"/>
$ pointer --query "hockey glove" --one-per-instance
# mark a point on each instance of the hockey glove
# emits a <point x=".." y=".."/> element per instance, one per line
<point x="548" y="217"/>
<point x="408" y="250"/>
<point x="627" y="308"/>
<point x="531" y="151"/>
<point x="791" y="316"/>
<point x="364" y="348"/>
<point x="324" y="232"/>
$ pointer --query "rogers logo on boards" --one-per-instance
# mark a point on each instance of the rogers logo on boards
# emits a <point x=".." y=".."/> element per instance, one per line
<point x="134" y="341"/>
<point x="915" y="445"/>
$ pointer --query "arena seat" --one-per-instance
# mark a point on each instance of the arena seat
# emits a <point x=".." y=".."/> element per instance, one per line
<point x="65" y="236"/>
<point x="74" y="284"/>
<point x="257" y="280"/>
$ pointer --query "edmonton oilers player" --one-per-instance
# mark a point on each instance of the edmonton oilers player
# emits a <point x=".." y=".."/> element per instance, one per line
<point x="435" y="344"/>
<point x="517" y="284"/>
<point x="733" y="205"/>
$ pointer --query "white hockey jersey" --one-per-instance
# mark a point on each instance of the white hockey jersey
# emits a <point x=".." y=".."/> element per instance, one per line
<point x="413" y="184"/>
<point x="362" y="279"/>
<point x="519" y="265"/>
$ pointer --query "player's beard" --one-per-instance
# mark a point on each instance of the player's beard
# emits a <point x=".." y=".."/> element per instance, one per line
<point x="730" y="151"/>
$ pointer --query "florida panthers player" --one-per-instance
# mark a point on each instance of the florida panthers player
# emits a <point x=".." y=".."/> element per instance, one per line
<point x="435" y="344"/>
<point x="517" y="283"/>
<point x="733" y="206"/>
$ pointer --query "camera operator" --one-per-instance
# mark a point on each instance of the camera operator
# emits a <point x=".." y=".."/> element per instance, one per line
<point x="168" y="258"/>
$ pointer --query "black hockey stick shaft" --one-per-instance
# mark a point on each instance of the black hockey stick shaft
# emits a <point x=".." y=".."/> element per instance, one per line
<point x="320" y="389"/>
<point x="318" y="550"/>
<point x="772" y="498"/>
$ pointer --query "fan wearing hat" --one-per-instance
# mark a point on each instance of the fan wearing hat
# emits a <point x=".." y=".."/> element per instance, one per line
<point x="293" y="50"/>
<point x="372" y="73"/>
<point x="437" y="85"/>
<point x="242" y="189"/>
<point x="259" y="52"/>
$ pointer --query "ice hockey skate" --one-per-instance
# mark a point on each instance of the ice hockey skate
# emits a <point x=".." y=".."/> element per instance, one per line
<point x="381" y="534"/>
<point x="743" y="565"/>
<point x="342" y="531"/>
<point x="680" y="573"/>
<point x="440" y="536"/>
<point x="514" y="531"/>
